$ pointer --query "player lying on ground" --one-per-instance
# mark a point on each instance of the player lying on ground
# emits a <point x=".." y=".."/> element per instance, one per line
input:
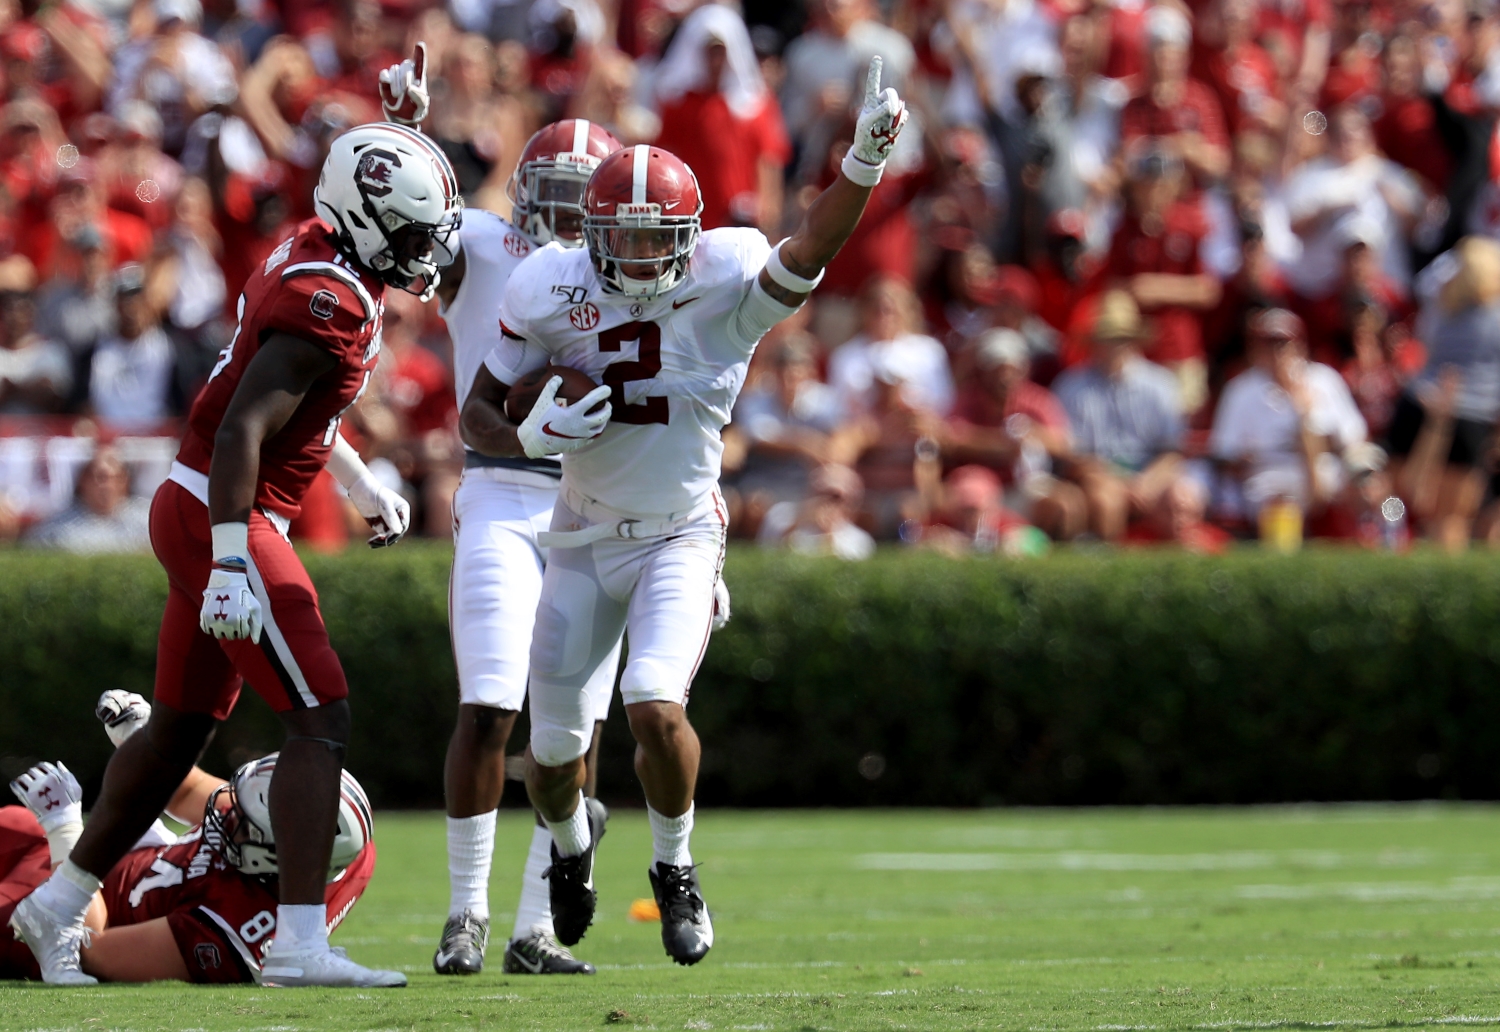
<point x="668" y="322"/>
<point x="501" y="505"/>
<point x="199" y="907"/>
<point x="240" y="604"/>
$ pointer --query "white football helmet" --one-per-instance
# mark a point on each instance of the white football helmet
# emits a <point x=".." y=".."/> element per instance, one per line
<point x="253" y="849"/>
<point x="391" y="197"/>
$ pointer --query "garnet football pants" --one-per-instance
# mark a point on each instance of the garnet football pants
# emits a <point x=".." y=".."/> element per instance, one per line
<point x="292" y="667"/>
<point x="25" y="862"/>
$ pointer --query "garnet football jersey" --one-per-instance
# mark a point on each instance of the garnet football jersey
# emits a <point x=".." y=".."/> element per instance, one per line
<point x="223" y="920"/>
<point x="307" y="289"/>
<point x="675" y="363"/>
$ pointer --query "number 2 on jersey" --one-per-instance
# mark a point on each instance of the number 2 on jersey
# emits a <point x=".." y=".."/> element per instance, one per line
<point x="647" y="336"/>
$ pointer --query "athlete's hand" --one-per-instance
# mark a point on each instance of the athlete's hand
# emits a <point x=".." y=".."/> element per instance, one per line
<point x="721" y="604"/>
<point x="51" y="792"/>
<point x="122" y="713"/>
<point x="880" y="119"/>
<point x="403" y="89"/>
<point x="387" y="513"/>
<point x="230" y="608"/>
<point x="553" y="428"/>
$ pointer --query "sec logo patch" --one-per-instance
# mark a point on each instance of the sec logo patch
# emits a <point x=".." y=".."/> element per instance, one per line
<point x="584" y="316"/>
<point x="323" y="303"/>
<point x="516" y="245"/>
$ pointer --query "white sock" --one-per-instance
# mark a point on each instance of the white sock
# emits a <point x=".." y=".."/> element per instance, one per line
<point x="571" y="835"/>
<point x="471" y="847"/>
<point x="669" y="837"/>
<point x="68" y="891"/>
<point x="534" y="912"/>
<point x="301" y="927"/>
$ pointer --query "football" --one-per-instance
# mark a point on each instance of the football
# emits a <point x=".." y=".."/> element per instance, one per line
<point x="523" y="393"/>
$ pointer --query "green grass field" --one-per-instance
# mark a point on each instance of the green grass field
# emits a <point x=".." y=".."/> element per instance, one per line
<point x="1295" y="917"/>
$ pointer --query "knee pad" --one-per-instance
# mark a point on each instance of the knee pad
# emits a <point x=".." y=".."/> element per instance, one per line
<point x="645" y="680"/>
<point x="556" y="746"/>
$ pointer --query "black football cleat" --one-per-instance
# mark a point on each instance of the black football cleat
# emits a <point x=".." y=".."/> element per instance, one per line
<point x="570" y="881"/>
<point x="461" y="949"/>
<point x="686" y="930"/>
<point x="541" y="954"/>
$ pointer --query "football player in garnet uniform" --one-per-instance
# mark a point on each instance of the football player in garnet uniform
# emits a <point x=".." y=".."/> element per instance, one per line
<point x="667" y="321"/>
<point x="502" y="504"/>
<point x="240" y="604"/>
<point x="196" y="908"/>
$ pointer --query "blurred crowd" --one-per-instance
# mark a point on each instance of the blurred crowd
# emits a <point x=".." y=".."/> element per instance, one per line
<point x="1139" y="271"/>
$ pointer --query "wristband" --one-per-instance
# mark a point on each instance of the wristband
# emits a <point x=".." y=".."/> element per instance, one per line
<point x="786" y="278"/>
<point x="62" y="837"/>
<point x="858" y="172"/>
<point x="231" y="543"/>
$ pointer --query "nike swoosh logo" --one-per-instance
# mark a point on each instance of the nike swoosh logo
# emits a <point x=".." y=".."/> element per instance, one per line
<point x="443" y="958"/>
<point x="547" y="429"/>
<point x="678" y="304"/>
<point x="535" y="969"/>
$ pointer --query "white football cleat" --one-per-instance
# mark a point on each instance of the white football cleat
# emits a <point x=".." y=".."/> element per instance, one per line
<point x="55" y="943"/>
<point x="327" y="966"/>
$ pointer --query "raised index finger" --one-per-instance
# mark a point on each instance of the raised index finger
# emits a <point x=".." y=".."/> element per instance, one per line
<point x="419" y="63"/>
<point x="872" y="82"/>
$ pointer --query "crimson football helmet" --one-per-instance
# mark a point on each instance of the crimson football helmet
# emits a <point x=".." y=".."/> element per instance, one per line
<point x="641" y="220"/>
<point x="546" y="189"/>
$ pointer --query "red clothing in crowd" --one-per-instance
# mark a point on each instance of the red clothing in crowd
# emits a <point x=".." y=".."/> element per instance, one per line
<point x="1204" y="538"/>
<point x="126" y="239"/>
<point x="725" y="152"/>
<point x="245" y="246"/>
<point x="885" y="241"/>
<point x="1244" y="78"/>
<point x="1407" y="132"/>
<point x="420" y="389"/>
<point x="1126" y="55"/>
<point x="1198" y="112"/>
<point x="1171" y="249"/>
<point x="976" y="407"/>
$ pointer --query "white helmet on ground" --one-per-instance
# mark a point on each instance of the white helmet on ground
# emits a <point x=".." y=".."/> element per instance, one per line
<point x="247" y="842"/>
<point x="391" y="197"/>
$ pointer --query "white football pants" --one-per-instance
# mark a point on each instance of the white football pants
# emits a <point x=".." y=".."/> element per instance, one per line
<point x="495" y="584"/>
<point x="660" y="591"/>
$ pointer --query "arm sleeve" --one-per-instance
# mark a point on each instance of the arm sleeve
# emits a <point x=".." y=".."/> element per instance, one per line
<point x="756" y="313"/>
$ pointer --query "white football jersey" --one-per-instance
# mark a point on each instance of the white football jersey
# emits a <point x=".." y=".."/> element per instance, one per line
<point x="675" y="363"/>
<point x="492" y="249"/>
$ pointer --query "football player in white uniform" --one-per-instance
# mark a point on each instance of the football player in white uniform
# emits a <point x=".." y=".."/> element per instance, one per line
<point x="501" y="505"/>
<point x="667" y="319"/>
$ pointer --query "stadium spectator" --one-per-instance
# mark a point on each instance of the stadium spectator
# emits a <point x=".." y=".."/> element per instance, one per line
<point x="1177" y="519"/>
<point x="1127" y="426"/>
<point x="77" y="207"/>
<point x="1366" y="511"/>
<point x="480" y="125"/>
<point x="173" y="69"/>
<point x="718" y="116"/>
<point x="104" y="516"/>
<point x="132" y="377"/>
<point x="969" y="516"/>
<point x="77" y="307"/>
<point x="786" y="422"/>
<point x="1283" y="425"/>
<point x="1174" y="112"/>
<point x="36" y="374"/>
<point x="890" y="317"/>
<point x="1006" y="422"/>
<point x="888" y="443"/>
<point x="822" y="524"/>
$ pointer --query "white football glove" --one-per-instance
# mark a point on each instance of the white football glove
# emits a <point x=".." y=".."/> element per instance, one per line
<point x="230" y="608"/>
<point x="51" y="792"/>
<point x="403" y="89"/>
<point x="122" y="713"/>
<point x="881" y="117"/>
<point x="387" y="513"/>
<point x="554" y="429"/>
<point x="721" y="604"/>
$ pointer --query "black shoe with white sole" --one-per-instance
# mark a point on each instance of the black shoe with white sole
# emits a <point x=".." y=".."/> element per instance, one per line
<point x="541" y="954"/>
<point x="461" y="949"/>
<point x="570" y="881"/>
<point x="686" y="930"/>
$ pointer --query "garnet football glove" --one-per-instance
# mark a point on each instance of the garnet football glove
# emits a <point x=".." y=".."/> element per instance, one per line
<point x="387" y="513"/>
<point x="403" y="89"/>
<point x="230" y="608"/>
<point x="880" y="120"/>
<point x="122" y="713"/>
<point x="554" y="429"/>
<point x="51" y="792"/>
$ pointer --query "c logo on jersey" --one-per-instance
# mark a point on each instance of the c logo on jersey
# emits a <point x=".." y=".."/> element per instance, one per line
<point x="323" y="303"/>
<point x="373" y="173"/>
<point x="584" y="316"/>
<point x="207" y="956"/>
<point x="516" y="245"/>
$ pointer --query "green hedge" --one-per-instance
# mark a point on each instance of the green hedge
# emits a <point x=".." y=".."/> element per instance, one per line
<point x="910" y="679"/>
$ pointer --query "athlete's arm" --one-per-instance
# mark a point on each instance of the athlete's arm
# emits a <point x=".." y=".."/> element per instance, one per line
<point x="483" y="424"/>
<point x="146" y="952"/>
<point x="191" y="798"/>
<point x="453" y="277"/>
<point x="833" y="215"/>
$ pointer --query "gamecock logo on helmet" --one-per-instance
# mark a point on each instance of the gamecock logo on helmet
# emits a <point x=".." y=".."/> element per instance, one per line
<point x="373" y="173"/>
<point x="585" y="316"/>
